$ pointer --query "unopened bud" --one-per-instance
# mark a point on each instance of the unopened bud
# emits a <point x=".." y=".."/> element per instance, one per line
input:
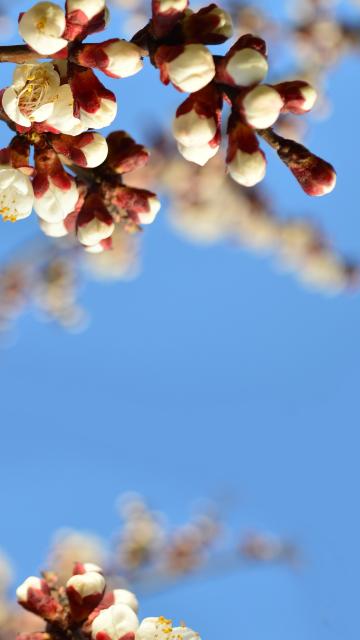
<point x="261" y="106"/>
<point x="115" y="623"/>
<point x="94" y="222"/>
<point x="188" y="67"/>
<point x="84" y="592"/>
<point x="210" y="25"/>
<point x="246" y="162"/>
<point x="199" y="155"/>
<point x="86" y="567"/>
<point x="245" y="64"/>
<point x="86" y="150"/>
<point x="125" y="155"/>
<point x="117" y="58"/>
<point x="34" y="595"/>
<point x="298" y="96"/>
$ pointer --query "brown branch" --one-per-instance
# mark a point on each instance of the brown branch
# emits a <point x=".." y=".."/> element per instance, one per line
<point x="19" y="54"/>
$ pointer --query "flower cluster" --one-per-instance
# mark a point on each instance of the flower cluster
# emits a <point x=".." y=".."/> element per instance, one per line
<point x="84" y="609"/>
<point x="54" y="107"/>
<point x="177" y="40"/>
<point x="88" y="204"/>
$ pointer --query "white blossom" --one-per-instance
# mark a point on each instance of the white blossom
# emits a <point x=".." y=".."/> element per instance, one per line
<point x="162" y="629"/>
<point x="89" y="8"/>
<point x="62" y="117"/>
<point x="42" y="27"/>
<point x="16" y="194"/>
<point x="33" y="93"/>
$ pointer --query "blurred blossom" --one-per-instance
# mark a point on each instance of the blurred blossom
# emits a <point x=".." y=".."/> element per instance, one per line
<point x="69" y="546"/>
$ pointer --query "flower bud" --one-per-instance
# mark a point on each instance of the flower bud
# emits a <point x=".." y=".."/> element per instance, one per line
<point x="245" y="64"/>
<point x="188" y="67"/>
<point x="117" y="58"/>
<point x="95" y="105"/>
<point x="115" y="623"/>
<point x="94" y="222"/>
<point x="42" y="27"/>
<point x="298" y="96"/>
<point x="246" y="163"/>
<point x="140" y="204"/>
<point x="84" y="17"/>
<point x="125" y="155"/>
<point x="103" y="245"/>
<point x="120" y="596"/>
<point x="165" y="15"/>
<point x="53" y="229"/>
<point x="86" y="150"/>
<point x="210" y="25"/>
<point x="261" y="106"/>
<point x="200" y="155"/>
<point x="55" y="191"/>
<point x="315" y="176"/>
<point x="34" y="595"/>
<point x="84" y="592"/>
<point x="86" y="567"/>
<point x="198" y="118"/>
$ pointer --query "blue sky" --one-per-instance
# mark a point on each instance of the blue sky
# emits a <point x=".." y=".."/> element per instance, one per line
<point x="211" y="372"/>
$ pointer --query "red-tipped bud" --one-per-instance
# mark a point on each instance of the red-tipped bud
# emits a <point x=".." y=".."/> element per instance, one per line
<point x="94" y="222"/>
<point x="115" y="623"/>
<point x="84" y="17"/>
<point x="197" y="125"/>
<point x="117" y="58"/>
<point x="86" y="150"/>
<point x="86" y="567"/>
<point x="84" y="592"/>
<point x="55" y="191"/>
<point x="125" y="155"/>
<point x="315" y="176"/>
<point x="245" y="64"/>
<point x="299" y="97"/>
<point x="93" y="103"/>
<point x="246" y="162"/>
<point x="141" y="206"/>
<point x="165" y="15"/>
<point x="34" y="595"/>
<point x="188" y="67"/>
<point x="210" y="25"/>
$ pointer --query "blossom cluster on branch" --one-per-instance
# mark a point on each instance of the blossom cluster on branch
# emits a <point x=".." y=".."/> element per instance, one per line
<point x="56" y="107"/>
<point x="148" y="556"/>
